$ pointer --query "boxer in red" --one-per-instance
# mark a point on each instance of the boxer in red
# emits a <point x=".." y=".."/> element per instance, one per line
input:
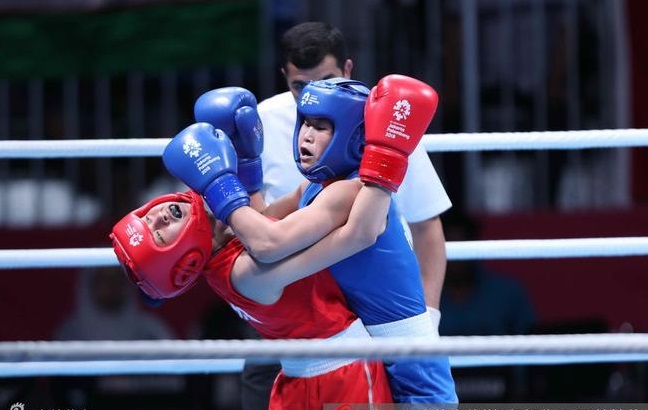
<point x="167" y="244"/>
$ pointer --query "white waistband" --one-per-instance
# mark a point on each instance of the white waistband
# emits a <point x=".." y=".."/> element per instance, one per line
<point x="415" y="326"/>
<point x="435" y="315"/>
<point x="315" y="367"/>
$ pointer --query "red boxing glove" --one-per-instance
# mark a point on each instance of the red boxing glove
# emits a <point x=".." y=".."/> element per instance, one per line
<point x="397" y="114"/>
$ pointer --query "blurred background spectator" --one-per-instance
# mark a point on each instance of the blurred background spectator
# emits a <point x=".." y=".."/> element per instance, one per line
<point x="107" y="309"/>
<point x="477" y="301"/>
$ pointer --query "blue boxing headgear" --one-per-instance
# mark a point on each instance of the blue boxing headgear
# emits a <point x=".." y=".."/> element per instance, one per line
<point x="342" y="102"/>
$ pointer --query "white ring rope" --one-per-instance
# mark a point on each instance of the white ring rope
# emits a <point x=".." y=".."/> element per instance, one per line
<point x="202" y="366"/>
<point x="493" y="141"/>
<point x="377" y="348"/>
<point x="57" y="258"/>
<point x="466" y="250"/>
<point x="144" y="147"/>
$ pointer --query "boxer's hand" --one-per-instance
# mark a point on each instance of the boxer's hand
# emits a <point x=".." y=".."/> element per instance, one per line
<point x="233" y="110"/>
<point x="204" y="158"/>
<point x="397" y="114"/>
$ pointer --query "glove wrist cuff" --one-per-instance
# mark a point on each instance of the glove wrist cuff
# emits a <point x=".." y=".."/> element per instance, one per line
<point x="225" y="195"/>
<point x="383" y="166"/>
<point x="250" y="173"/>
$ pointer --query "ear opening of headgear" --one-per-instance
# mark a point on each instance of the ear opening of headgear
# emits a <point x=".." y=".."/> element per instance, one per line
<point x="163" y="272"/>
<point x="341" y="101"/>
<point x="184" y="273"/>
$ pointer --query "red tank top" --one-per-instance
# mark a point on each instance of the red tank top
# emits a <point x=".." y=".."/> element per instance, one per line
<point x="313" y="307"/>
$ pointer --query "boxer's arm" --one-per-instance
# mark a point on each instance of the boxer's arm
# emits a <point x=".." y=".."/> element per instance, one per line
<point x="429" y="245"/>
<point x="280" y="208"/>
<point x="286" y="204"/>
<point x="269" y="241"/>
<point x="257" y="202"/>
<point x="264" y="283"/>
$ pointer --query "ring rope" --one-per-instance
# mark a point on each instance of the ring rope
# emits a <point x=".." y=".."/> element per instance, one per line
<point x="465" y="250"/>
<point x="377" y="348"/>
<point x="201" y="366"/>
<point x="147" y="147"/>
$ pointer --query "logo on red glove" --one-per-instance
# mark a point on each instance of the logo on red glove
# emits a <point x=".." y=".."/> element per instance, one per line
<point x="402" y="110"/>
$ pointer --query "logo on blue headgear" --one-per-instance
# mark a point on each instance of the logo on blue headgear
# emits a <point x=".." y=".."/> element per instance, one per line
<point x="342" y="102"/>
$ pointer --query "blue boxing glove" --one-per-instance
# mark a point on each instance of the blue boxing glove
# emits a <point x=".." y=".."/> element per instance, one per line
<point x="204" y="158"/>
<point x="233" y="110"/>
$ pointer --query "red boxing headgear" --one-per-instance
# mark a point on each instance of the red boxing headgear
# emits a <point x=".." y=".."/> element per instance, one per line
<point x="163" y="272"/>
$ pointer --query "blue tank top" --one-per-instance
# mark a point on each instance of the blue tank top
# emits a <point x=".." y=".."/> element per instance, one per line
<point x="381" y="283"/>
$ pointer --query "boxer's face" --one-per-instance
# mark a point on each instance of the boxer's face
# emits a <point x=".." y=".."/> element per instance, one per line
<point x="166" y="221"/>
<point x="314" y="136"/>
<point x="297" y="78"/>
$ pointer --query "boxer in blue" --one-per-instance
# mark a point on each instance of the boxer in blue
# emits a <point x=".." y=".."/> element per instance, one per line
<point x="381" y="283"/>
